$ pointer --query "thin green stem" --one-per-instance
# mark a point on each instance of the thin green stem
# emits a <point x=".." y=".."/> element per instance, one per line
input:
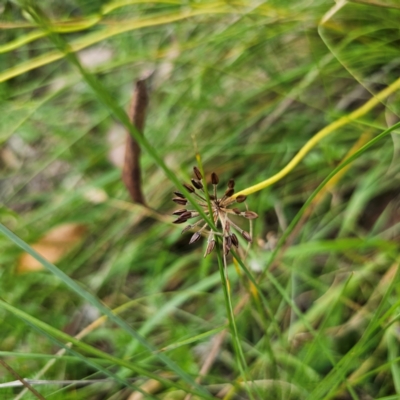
<point x="241" y="361"/>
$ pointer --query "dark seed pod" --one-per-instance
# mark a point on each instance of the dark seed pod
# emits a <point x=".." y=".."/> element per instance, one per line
<point x="229" y="192"/>
<point x="231" y="184"/>
<point x="228" y="242"/>
<point x="190" y="188"/>
<point x="186" y="215"/>
<point x="179" y="194"/>
<point x="247" y="236"/>
<point x="197" y="184"/>
<point x="197" y="173"/>
<point x="236" y="211"/>
<point x="214" y="178"/>
<point x="180" y="201"/>
<point x="210" y="247"/>
<point x="180" y="220"/>
<point x="250" y="215"/>
<point x="241" y="198"/>
<point x="179" y="212"/>
<point x="235" y="240"/>
<point x="196" y="236"/>
<point x="212" y="197"/>
<point x="186" y="228"/>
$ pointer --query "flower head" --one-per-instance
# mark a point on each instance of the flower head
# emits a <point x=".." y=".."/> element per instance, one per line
<point x="220" y="212"/>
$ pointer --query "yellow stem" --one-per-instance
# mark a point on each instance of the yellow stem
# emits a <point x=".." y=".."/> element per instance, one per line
<point x="369" y="105"/>
<point x="98" y="36"/>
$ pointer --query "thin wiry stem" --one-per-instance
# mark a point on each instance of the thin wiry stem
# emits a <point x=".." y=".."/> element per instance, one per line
<point x="241" y="361"/>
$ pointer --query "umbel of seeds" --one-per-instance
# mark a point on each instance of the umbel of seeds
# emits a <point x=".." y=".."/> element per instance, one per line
<point x="220" y="212"/>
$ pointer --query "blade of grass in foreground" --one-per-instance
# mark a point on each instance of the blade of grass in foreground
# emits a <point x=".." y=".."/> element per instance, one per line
<point x="59" y="338"/>
<point x="53" y="333"/>
<point x="102" y="308"/>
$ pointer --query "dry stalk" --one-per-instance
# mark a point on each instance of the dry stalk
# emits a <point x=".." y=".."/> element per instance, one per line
<point x="28" y="387"/>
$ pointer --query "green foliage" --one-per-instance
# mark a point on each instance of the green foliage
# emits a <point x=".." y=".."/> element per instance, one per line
<point x="245" y="86"/>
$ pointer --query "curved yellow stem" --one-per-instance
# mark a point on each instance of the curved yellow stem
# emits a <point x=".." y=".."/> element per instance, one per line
<point x="364" y="109"/>
<point x="37" y="34"/>
<point x="98" y="36"/>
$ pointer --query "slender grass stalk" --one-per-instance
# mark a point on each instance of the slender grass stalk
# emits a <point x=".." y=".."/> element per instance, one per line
<point x="263" y="310"/>
<point x="241" y="361"/>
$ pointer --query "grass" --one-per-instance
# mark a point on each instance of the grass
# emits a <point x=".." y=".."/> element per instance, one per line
<point x="296" y="101"/>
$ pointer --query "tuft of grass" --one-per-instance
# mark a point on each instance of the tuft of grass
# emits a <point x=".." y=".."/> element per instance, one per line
<point x="298" y="103"/>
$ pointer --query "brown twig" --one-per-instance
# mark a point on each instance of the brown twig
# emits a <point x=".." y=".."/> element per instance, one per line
<point x="22" y="380"/>
<point x="131" y="174"/>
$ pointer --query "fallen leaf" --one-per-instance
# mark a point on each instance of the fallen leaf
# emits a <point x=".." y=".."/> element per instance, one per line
<point x="53" y="246"/>
<point x="131" y="172"/>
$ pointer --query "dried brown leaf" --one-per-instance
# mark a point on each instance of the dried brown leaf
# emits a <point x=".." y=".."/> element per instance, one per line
<point x="131" y="173"/>
<point x="53" y="246"/>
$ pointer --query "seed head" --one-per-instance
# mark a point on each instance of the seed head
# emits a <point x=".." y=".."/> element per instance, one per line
<point x="220" y="213"/>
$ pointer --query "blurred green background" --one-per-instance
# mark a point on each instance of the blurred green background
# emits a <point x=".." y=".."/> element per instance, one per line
<point x="245" y="84"/>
